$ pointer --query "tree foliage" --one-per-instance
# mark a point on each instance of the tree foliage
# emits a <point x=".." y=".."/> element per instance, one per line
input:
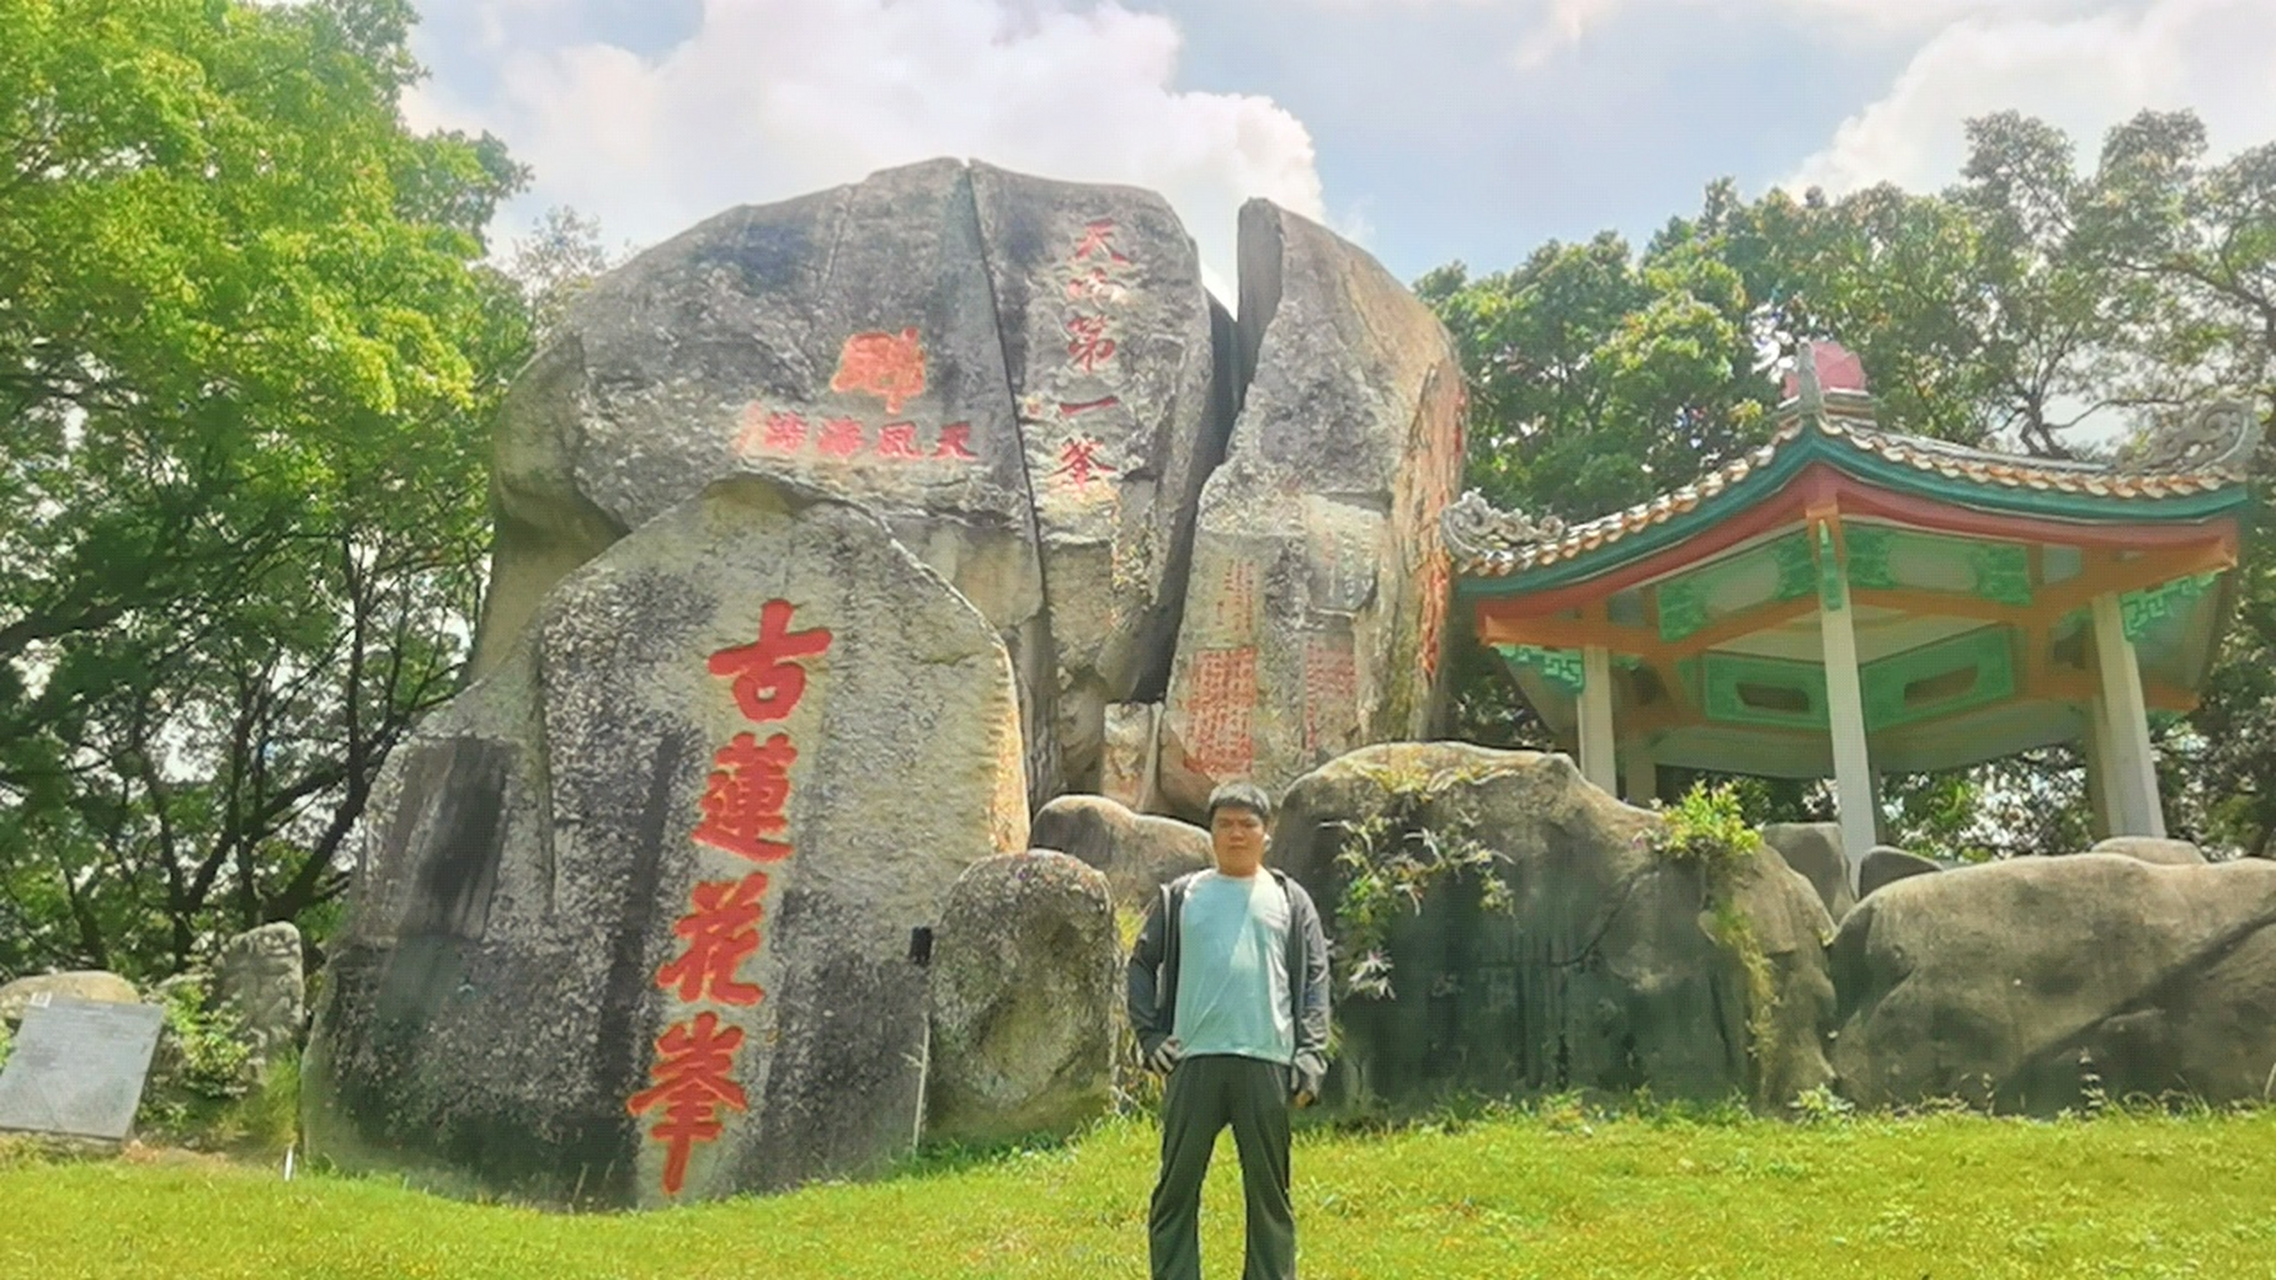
<point x="246" y="361"/>
<point x="2032" y="306"/>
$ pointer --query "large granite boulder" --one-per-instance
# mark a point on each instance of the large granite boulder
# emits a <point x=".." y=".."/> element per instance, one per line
<point x="1138" y="853"/>
<point x="1887" y="865"/>
<point x="2154" y="850"/>
<point x="1814" y="850"/>
<point x="99" y="985"/>
<point x="1025" y="968"/>
<point x="258" y="978"/>
<point x="2027" y="983"/>
<point x="1315" y="613"/>
<point x="1615" y="967"/>
<point x="1017" y="374"/>
<point x="634" y="916"/>
<point x="1111" y="345"/>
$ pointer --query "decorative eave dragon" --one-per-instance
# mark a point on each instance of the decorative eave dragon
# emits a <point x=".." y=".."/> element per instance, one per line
<point x="1474" y="528"/>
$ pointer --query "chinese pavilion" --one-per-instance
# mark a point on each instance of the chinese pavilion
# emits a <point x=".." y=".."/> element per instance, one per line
<point x="1846" y="600"/>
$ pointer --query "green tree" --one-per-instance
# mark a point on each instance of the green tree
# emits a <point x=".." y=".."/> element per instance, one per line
<point x="246" y="361"/>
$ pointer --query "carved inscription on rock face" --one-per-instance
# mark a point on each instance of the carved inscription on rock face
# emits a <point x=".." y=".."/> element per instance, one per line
<point x="1220" y="710"/>
<point x="1331" y="697"/>
<point x="692" y="1083"/>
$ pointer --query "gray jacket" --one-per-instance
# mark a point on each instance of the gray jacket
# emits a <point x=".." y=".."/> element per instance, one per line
<point x="1153" y="976"/>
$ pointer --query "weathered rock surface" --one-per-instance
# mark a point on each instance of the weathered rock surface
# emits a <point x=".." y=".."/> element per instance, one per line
<point x="1814" y="850"/>
<point x="1605" y="974"/>
<point x="1137" y="853"/>
<point x="2151" y="849"/>
<point x="1110" y="342"/>
<point x="1314" y="615"/>
<point x="1018" y="374"/>
<point x="2009" y="982"/>
<point x="671" y="850"/>
<point x="1127" y="765"/>
<point x="79" y="984"/>
<point x="1885" y="866"/>
<point x="846" y="340"/>
<point x="258" y="977"/>
<point x="1024" y="969"/>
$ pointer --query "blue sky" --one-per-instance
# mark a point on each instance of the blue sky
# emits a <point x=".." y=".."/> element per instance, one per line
<point x="1426" y="129"/>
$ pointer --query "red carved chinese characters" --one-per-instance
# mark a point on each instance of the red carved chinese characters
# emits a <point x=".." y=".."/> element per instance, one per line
<point x="841" y="437"/>
<point x="956" y="442"/>
<point x="721" y="930"/>
<point x="784" y="432"/>
<point x="742" y="802"/>
<point x="1079" y="461"/>
<point x="690" y="1081"/>
<point x="768" y="684"/>
<point x="887" y="365"/>
<point x="1220" y="708"/>
<point x="1098" y="241"/>
<point x="898" y="440"/>
<point x="743" y="805"/>
<point x="1088" y="343"/>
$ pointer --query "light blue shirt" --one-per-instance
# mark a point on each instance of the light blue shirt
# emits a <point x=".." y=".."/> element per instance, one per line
<point x="1233" y="969"/>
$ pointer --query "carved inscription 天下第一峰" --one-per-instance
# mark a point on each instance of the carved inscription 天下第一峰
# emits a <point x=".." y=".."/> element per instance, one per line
<point x="744" y="814"/>
<point x="1095" y="289"/>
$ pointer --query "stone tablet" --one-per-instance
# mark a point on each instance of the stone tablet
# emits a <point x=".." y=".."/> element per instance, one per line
<point x="78" y="1068"/>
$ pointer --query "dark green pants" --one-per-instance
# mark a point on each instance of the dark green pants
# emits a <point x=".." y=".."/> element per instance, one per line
<point x="1204" y="1095"/>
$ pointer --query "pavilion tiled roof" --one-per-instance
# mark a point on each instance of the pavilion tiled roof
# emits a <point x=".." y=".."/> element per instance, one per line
<point x="2207" y="452"/>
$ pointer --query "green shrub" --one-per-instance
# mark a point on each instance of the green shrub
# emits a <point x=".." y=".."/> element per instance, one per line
<point x="203" y="1070"/>
<point x="1708" y="827"/>
<point x="1390" y="863"/>
<point x="7" y="1044"/>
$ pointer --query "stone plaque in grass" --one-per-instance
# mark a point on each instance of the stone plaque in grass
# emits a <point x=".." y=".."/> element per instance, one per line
<point x="78" y="1068"/>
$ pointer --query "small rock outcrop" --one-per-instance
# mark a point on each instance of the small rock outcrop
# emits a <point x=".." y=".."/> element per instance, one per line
<point x="2154" y="850"/>
<point x="80" y="984"/>
<point x="1614" y="967"/>
<point x="258" y="978"/>
<point x="1814" y="850"/>
<point x="1886" y="865"/>
<point x="1138" y="853"/>
<point x="1024" y="993"/>
<point x="2027" y="983"/>
<point x="633" y="915"/>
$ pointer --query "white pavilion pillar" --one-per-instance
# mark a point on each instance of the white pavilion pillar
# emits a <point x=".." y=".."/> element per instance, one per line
<point x="2101" y="781"/>
<point x="1599" y="754"/>
<point x="1845" y="710"/>
<point x="2131" y="764"/>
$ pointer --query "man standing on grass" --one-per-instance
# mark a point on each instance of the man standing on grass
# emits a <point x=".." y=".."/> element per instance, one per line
<point x="1229" y="998"/>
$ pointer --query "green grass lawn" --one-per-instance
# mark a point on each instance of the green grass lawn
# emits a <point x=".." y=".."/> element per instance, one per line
<point x="1938" y="1196"/>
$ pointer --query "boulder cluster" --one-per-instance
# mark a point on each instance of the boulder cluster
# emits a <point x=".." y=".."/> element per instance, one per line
<point x="835" y="539"/>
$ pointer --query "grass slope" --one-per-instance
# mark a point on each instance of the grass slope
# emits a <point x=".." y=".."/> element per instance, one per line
<point x="1944" y="1197"/>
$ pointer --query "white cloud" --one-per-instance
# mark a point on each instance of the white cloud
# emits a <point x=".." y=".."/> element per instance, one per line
<point x="2082" y="74"/>
<point x="768" y="99"/>
<point x="1557" y="25"/>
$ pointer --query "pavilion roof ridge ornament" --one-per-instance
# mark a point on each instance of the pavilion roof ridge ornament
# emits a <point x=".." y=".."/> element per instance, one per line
<point x="1476" y="530"/>
<point x="2217" y="436"/>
